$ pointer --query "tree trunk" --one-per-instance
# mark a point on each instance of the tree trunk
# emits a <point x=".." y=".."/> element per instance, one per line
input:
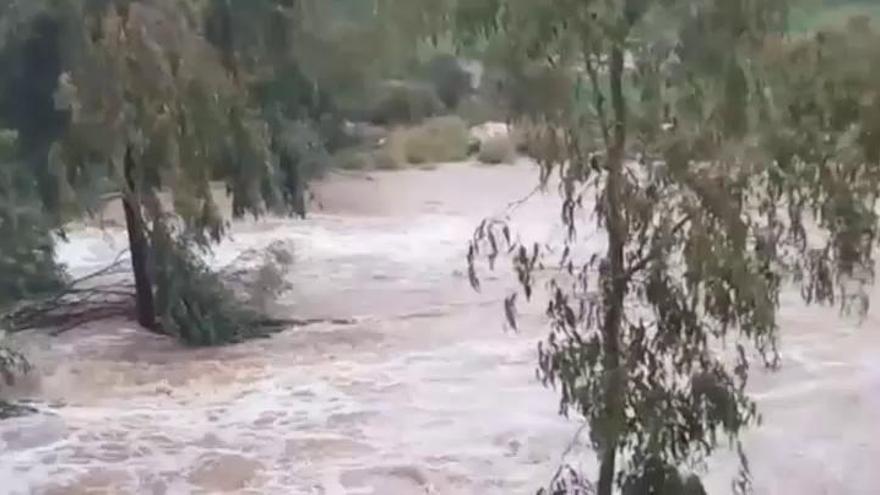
<point x="139" y="247"/>
<point x="606" y="472"/>
<point x="616" y="283"/>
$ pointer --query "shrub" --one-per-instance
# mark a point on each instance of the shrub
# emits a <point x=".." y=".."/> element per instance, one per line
<point x="404" y="102"/>
<point x="442" y="139"/>
<point x="302" y="142"/>
<point x="537" y="140"/>
<point x="367" y="159"/>
<point x="477" y="109"/>
<point x="450" y="80"/>
<point x="363" y="134"/>
<point x="27" y="256"/>
<point x="351" y="160"/>
<point x="27" y="260"/>
<point x="382" y="159"/>
<point x="203" y="307"/>
<point x="497" y="149"/>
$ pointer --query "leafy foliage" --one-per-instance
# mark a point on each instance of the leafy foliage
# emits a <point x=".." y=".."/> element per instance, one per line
<point x="567" y="481"/>
<point x="722" y="161"/>
<point x="403" y="102"/>
<point x="142" y="97"/>
<point x="451" y="80"/>
<point x="30" y="38"/>
<point x="162" y="126"/>
<point x="27" y="264"/>
<point x="172" y="119"/>
<point x="149" y="96"/>
<point x="264" y="45"/>
<point x="193" y="302"/>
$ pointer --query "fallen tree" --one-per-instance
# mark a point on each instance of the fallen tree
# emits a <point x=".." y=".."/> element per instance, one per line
<point x="244" y="288"/>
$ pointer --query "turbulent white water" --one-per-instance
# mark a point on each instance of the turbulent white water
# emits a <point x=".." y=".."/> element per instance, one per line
<point x="425" y="394"/>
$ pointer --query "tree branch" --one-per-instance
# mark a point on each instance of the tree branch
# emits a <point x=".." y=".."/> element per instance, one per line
<point x="598" y="98"/>
<point x="657" y="250"/>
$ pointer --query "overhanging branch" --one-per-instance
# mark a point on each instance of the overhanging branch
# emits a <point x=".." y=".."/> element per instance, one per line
<point x="658" y="249"/>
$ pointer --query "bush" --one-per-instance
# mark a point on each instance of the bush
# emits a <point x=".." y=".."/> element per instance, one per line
<point x="351" y="160"/>
<point x="442" y="139"/>
<point x="451" y="81"/>
<point x="27" y="260"/>
<point x="382" y="159"/>
<point x="477" y="109"/>
<point x="202" y="307"/>
<point x="362" y="134"/>
<point x="369" y="159"/>
<point x="302" y="143"/>
<point x="538" y="141"/>
<point x="534" y="89"/>
<point x="497" y="149"/>
<point x="27" y="252"/>
<point x="404" y="102"/>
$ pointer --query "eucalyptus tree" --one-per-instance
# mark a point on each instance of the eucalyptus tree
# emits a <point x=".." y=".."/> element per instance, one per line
<point x="152" y="107"/>
<point x="722" y="162"/>
<point x="158" y="98"/>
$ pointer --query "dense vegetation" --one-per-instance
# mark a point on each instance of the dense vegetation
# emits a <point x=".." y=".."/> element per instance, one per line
<point x="728" y="159"/>
<point x="810" y="15"/>
<point x="163" y="98"/>
<point x="725" y="149"/>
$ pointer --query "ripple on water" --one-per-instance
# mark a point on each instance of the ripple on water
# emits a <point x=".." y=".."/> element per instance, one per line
<point x="32" y="432"/>
<point x="323" y="448"/>
<point x="395" y="479"/>
<point x="90" y="482"/>
<point x="225" y="473"/>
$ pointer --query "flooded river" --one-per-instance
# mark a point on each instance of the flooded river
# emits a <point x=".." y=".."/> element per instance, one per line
<point x="426" y="392"/>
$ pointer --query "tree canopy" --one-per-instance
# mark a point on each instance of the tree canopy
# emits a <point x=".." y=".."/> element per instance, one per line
<point x="723" y="160"/>
<point x="138" y="98"/>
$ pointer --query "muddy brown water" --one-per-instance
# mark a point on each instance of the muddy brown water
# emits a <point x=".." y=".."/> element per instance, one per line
<point x="426" y="393"/>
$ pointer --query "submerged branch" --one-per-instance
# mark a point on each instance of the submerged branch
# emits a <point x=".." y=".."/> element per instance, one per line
<point x="76" y="304"/>
<point x="241" y="289"/>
